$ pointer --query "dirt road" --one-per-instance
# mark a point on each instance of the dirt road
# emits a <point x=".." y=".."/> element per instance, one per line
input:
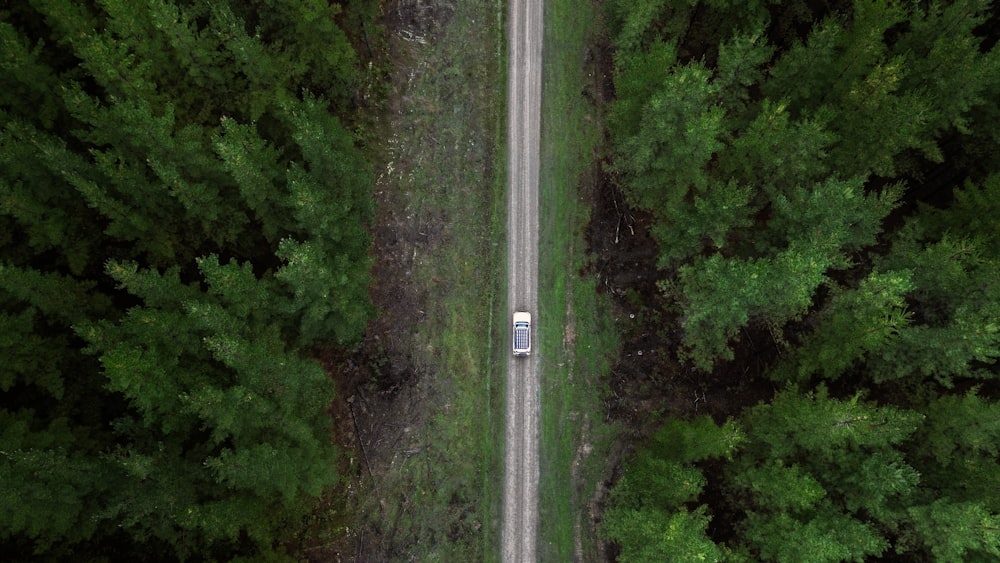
<point x="520" y="500"/>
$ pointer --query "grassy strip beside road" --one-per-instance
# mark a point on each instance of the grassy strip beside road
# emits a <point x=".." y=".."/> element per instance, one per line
<point x="438" y="498"/>
<point x="574" y="330"/>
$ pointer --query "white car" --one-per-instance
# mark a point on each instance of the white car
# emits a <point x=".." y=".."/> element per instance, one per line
<point x="522" y="333"/>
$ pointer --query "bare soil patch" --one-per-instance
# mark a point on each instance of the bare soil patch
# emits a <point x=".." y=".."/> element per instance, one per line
<point x="392" y="392"/>
<point x="382" y="397"/>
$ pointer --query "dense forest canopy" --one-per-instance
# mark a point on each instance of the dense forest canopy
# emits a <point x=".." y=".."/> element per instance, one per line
<point x="183" y="216"/>
<point x="825" y="175"/>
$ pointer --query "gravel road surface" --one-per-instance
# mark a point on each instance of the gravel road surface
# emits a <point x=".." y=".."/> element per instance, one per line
<point x="520" y="498"/>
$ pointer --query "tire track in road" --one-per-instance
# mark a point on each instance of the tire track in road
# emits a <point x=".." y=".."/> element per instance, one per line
<point x="519" y="530"/>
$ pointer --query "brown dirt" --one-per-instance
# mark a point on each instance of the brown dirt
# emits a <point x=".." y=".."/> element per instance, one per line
<point x="648" y="379"/>
<point x="382" y="390"/>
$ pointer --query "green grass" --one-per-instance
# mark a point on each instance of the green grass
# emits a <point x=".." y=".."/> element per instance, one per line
<point x="575" y="332"/>
<point x="446" y="157"/>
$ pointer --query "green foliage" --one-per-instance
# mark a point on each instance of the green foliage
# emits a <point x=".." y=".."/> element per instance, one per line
<point x="823" y="471"/>
<point x="635" y="22"/>
<point x="689" y="441"/>
<point x="35" y="199"/>
<point x="783" y="161"/>
<point x="656" y="535"/>
<point x="254" y="165"/>
<point x="739" y="161"/>
<point x="326" y="301"/>
<point x="327" y="196"/>
<point x="158" y="396"/>
<point x="956" y="450"/>
<point x="49" y="495"/>
<point x="27" y="84"/>
<point x="973" y="214"/>
<point x="776" y="151"/>
<point x="828" y="535"/>
<point x="668" y="127"/>
<point x="719" y="295"/>
<point x="26" y="354"/>
<point x="35" y="330"/>
<point x="213" y="364"/>
<point x="711" y="218"/>
<point x="837" y="216"/>
<point x="61" y="297"/>
<point x="958" y="531"/>
<point x="959" y="428"/>
<point x="739" y="67"/>
<point x="792" y="424"/>
<point x="647" y="515"/>
<point x="948" y="65"/>
<point x="785" y="488"/>
<point x="956" y="291"/>
<point x="885" y="98"/>
<point x="816" y="478"/>
<point x="883" y="123"/>
<point x="804" y="73"/>
<point x="855" y="323"/>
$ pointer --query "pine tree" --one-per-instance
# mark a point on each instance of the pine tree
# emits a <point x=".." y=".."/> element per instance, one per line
<point x="668" y="128"/>
<point x="959" y="427"/>
<point x="855" y="323"/>
<point x="945" y="59"/>
<point x="305" y="24"/>
<point x="328" y="193"/>
<point x="646" y="514"/>
<point x="656" y="535"/>
<point x="819" y="426"/>
<point x="958" y="531"/>
<point x="156" y="181"/>
<point x="972" y="214"/>
<point x="803" y="240"/>
<point x="801" y="75"/>
<point x="326" y="271"/>
<point x="254" y="165"/>
<point x="175" y="413"/>
<point x="780" y="487"/>
<point x="784" y="199"/>
<point x="28" y="354"/>
<point x="831" y="214"/>
<point x="63" y="298"/>
<point x="739" y="67"/>
<point x="709" y="220"/>
<point x="219" y="400"/>
<point x="43" y="370"/>
<point x="826" y="471"/>
<point x="835" y="57"/>
<point x="777" y="152"/>
<point x="50" y="495"/>
<point x="887" y="82"/>
<point x="267" y="73"/>
<point x="955" y="298"/>
<point x="825" y="535"/>
<point x="103" y="57"/>
<point x="327" y="300"/>
<point x="877" y="121"/>
<point x="54" y="222"/>
<point x="956" y="450"/>
<point x="634" y="23"/>
<point x="27" y="83"/>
